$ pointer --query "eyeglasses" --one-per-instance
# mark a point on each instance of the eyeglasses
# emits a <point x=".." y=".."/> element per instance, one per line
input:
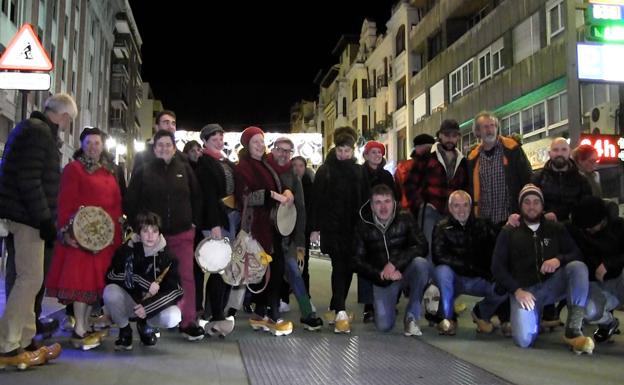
<point x="284" y="150"/>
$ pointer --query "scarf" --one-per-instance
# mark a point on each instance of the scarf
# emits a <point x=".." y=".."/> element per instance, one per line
<point x="278" y="169"/>
<point x="92" y="165"/>
<point x="218" y="155"/>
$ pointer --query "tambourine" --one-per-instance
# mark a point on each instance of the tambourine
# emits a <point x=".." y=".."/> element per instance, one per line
<point x="92" y="228"/>
<point x="285" y="219"/>
<point x="213" y="255"/>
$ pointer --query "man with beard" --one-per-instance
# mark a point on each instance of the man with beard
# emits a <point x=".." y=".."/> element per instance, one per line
<point x="438" y="174"/>
<point x="538" y="263"/>
<point x="498" y="168"/>
<point x="389" y="252"/>
<point x="560" y="181"/>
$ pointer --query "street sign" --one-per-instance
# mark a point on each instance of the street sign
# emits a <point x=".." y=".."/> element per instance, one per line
<point x="25" y="53"/>
<point x="600" y="62"/>
<point x="28" y="81"/>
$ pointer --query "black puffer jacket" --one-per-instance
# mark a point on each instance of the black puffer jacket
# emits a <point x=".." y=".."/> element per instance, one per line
<point x="399" y="243"/>
<point x="30" y="172"/>
<point x="169" y="190"/>
<point x="605" y="246"/>
<point x="562" y="189"/>
<point x="373" y="177"/>
<point x="211" y="178"/>
<point x="466" y="249"/>
<point x="520" y="252"/>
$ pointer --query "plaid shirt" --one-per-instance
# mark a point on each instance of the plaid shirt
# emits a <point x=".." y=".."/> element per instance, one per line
<point x="494" y="199"/>
<point x="428" y="181"/>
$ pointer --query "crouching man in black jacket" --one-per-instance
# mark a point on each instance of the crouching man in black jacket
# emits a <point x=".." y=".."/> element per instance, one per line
<point x="462" y="253"/>
<point x="143" y="283"/>
<point x="390" y="251"/>
<point x="538" y="263"/>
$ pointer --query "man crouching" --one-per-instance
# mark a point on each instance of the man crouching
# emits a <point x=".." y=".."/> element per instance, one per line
<point x="538" y="263"/>
<point x="390" y="251"/>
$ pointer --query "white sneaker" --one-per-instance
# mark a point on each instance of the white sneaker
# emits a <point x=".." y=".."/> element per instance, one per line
<point x="284" y="307"/>
<point x="411" y="328"/>
<point x="202" y="322"/>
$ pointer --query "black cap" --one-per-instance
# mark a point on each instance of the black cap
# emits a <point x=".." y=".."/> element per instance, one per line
<point x="449" y="125"/>
<point x="91" y="131"/>
<point x="423" y="139"/>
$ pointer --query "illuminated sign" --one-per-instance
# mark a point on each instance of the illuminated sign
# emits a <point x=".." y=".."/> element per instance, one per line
<point x="598" y="12"/>
<point x="608" y="33"/>
<point x="600" y="62"/>
<point x="610" y="148"/>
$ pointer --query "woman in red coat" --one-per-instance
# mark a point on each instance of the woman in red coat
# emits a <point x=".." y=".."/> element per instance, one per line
<point x="77" y="275"/>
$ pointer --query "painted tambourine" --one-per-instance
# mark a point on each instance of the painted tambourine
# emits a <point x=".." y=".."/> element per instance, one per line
<point x="92" y="228"/>
<point x="286" y="218"/>
<point x="213" y="255"/>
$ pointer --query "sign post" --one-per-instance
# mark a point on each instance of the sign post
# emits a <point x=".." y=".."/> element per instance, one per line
<point x="22" y="64"/>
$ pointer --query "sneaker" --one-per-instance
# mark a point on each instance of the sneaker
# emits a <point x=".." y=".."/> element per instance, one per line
<point x="46" y="326"/>
<point x="192" y="332"/>
<point x="202" y="322"/>
<point x="220" y="328"/>
<point x="86" y="342"/>
<point x="284" y="307"/>
<point x="312" y="322"/>
<point x="124" y="341"/>
<point x="258" y="323"/>
<point x="279" y="327"/>
<point x="330" y="317"/>
<point x="580" y="344"/>
<point x="410" y="327"/>
<point x="604" y="332"/>
<point x="22" y="360"/>
<point x="50" y="352"/>
<point x="483" y="326"/>
<point x="447" y="327"/>
<point x="369" y="314"/>
<point x="146" y="333"/>
<point x="342" y="324"/>
<point x="157" y="332"/>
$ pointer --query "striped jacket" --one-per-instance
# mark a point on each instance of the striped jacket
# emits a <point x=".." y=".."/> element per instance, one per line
<point x="134" y="272"/>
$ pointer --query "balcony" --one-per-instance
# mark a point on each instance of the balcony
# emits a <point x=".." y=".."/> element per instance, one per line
<point x="121" y="48"/>
<point x="120" y="69"/>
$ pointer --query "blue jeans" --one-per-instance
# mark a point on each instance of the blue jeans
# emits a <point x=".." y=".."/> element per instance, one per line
<point x="293" y="275"/>
<point x="452" y="285"/>
<point x="416" y="277"/>
<point x="604" y="297"/>
<point x="432" y="217"/>
<point x="569" y="282"/>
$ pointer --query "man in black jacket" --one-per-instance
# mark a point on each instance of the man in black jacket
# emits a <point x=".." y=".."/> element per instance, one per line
<point x="538" y="263"/>
<point x="601" y="240"/>
<point x="29" y="180"/>
<point x="390" y="251"/>
<point x="462" y="253"/>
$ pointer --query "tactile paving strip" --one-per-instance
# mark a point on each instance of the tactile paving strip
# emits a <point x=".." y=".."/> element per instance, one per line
<point x="372" y="359"/>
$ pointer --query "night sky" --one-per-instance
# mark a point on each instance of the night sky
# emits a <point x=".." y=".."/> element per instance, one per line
<point x="240" y="64"/>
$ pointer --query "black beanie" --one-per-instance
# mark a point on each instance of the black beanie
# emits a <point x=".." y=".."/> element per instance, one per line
<point x="423" y="139"/>
<point x="589" y="212"/>
<point x="91" y="131"/>
<point x="345" y="136"/>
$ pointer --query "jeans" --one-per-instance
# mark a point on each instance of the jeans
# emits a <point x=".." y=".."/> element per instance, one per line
<point x="415" y="277"/>
<point x="120" y="306"/>
<point x="431" y="218"/>
<point x="298" y="287"/>
<point x="452" y="285"/>
<point x="603" y="298"/>
<point x="569" y="282"/>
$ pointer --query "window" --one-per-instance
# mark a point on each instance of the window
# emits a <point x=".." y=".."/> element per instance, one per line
<point x="485" y="65"/>
<point x="420" y="106"/>
<point x="13" y="12"/>
<point x="73" y="82"/>
<point x="554" y="18"/>
<point x="63" y="70"/>
<point x="400" y="93"/>
<point x="400" y="40"/>
<point x="364" y="124"/>
<point x="497" y="61"/>
<point x="344" y="107"/>
<point x="66" y="31"/>
<point x="5" y="7"/>
<point x="526" y="38"/>
<point x="436" y="96"/>
<point x="461" y="80"/>
<point x="52" y="53"/>
<point x="354" y="94"/>
<point x="434" y="44"/>
<point x="364" y="88"/>
<point x="557" y="108"/>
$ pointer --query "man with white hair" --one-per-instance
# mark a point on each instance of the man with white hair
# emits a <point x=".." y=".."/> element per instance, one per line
<point x="498" y="168"/>
<point x="29" y="183"/>
<point x="462" y="254"/>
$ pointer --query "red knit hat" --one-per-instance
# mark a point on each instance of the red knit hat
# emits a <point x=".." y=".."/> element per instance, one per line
<point x="373" y="144"/>
<point x="249" y="133"/>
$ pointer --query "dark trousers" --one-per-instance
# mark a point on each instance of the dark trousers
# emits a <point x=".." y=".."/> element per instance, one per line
<point x="339" y="251"/>
<point x="271" y="295"/>
<point x="218" y="293"/>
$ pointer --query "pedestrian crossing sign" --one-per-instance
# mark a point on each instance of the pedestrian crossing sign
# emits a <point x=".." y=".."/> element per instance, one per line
<point x="25" y="52"/>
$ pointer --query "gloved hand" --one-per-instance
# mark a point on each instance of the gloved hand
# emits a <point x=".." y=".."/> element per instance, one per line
<point x="47" y="230"/>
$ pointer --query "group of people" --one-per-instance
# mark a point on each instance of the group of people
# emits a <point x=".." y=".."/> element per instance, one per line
<point x="482" y="224"/>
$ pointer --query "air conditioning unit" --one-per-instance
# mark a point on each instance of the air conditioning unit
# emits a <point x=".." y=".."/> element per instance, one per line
<point x="602" y="119"/>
